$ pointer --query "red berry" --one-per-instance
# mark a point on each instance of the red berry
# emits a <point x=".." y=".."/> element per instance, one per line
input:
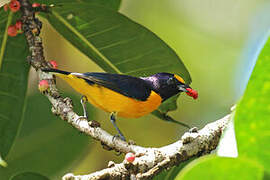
<point x="195" y="94"/>
<point x="12" y="31"/>
<point x="130" y="157"/>
<point x="6" y="7"/>
<point x="43" y="85"/>
<point x="34" y="5"/>
<point x="192" y="93"/>
<point x="18" y="25"/>
<point x="54" y="64"/>
<point x="14" y="5"/>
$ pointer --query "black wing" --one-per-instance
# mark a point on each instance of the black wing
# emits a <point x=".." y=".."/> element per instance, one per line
<point x="126" y="85"/>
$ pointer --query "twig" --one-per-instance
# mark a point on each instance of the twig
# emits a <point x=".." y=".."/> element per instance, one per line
<point x="149" y="161"/>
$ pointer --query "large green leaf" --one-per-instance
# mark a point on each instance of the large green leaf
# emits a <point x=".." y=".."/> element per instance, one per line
<point x="221" y="168"/>
<point x="113" y="41"/>
<point x="252" y="114"/>
<point x="116" y="43"/>
<point x="13" y="82"/>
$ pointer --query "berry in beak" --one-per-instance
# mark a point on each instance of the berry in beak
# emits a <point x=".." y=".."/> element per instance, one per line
<point x="191" y="92"/>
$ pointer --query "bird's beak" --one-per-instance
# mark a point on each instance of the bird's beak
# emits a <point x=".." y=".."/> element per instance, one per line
<point x="189" y="91"/>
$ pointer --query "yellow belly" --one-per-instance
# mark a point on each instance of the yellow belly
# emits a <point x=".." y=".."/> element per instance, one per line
<point x="111" y="101"/>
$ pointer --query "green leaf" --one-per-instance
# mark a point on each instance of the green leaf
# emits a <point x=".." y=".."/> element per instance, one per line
<point x="46" y="144"/>
<point x="169" y="104"/>
<point x="116" y="43"/>
<point x="110" y="4"/>
<point x="252" y="114"/>
<point x="173" y="172"/>
<point x="13" y="79"/>
<point x="29" y="176"/>
<point x="221" y="168"/>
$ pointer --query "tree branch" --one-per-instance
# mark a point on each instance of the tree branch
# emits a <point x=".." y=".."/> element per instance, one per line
<point x="149" y="161"/>
<point x="154" y="160"/>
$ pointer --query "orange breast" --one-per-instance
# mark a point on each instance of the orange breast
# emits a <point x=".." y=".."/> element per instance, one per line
<point x="111" y="101"/>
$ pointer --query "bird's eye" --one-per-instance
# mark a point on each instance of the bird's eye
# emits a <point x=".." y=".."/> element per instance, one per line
<point x="170" y="81"/>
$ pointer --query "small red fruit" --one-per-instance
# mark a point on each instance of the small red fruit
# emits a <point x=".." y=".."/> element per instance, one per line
<point x="18" y="26"/>
<point x="14" y="5"/>
<point x="193" y="93"/>
<point x="43" y="85"/>
<point x="34" y="5"/>
<point x="54" y="64"/>
<point x="12" y="31"/>
<point x="6" y="7"/>
<point x="130" y="157"/>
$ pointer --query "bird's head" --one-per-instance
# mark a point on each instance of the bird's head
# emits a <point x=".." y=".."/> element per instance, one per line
<point x="168" y="85"/>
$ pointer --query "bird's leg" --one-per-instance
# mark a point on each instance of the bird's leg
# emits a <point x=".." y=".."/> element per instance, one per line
<point x="115" y="126"/>
<point x="85" y="114"/>
<point x="83" y="102"/>
<point x="92" y="123"/>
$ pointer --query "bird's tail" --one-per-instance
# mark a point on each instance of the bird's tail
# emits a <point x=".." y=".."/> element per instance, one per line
<point x="56" y="71"/>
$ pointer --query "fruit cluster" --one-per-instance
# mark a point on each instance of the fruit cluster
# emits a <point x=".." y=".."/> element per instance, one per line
<point x="15" y="6"/>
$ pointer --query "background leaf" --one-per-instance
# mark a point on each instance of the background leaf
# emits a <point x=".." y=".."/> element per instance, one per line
<point x="221" y="168"/>
<point x="29" y="176"/>
<point x="13" y="79"/>
<point x="46" y="144"/>
<point x="116" y="43"/>
<point x="252" y="114"/>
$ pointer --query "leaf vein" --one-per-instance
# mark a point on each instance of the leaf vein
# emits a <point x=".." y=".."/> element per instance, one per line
<point x="137" y="57"/>
<point x="147" y="68"/>
<point x="3" y="93"/>
<point x="86" y="25"/>
<point x="103" y="31"/>
<point x="4" y="116"/>
<point x="117" y="43"/>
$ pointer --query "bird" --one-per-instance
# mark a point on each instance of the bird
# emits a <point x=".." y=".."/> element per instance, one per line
<point x="124" y="95"/>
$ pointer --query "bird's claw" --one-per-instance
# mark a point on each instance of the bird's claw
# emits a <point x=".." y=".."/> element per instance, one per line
<point x="80" y="118"/>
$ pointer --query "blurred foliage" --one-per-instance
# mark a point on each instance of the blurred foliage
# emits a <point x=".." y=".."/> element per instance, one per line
<point x="252" y="133"/>
<point x="29" y="176"/>
<point x="221" y="168"/>
<point x="253" y="112"/>
<point x="46" y="144"/>
<point x="211" y="37"/>
<point x="13" y="80"/>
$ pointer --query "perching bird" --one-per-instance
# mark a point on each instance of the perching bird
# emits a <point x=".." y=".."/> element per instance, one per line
<point x="123" y="95"/>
